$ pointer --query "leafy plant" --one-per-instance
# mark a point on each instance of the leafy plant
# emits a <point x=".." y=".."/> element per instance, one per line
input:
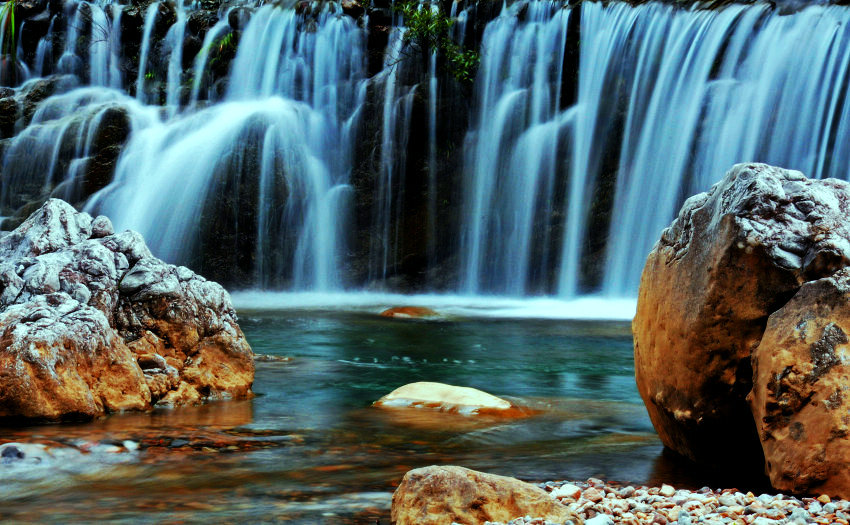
<point x="429" y="29"/>
<point x="9" y="46"/>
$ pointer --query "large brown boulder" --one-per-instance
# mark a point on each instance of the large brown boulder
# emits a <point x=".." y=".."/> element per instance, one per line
<point x="801" y="392"/>
<point x="91" y="322"/>
<point x="733" y="256"/>
<point x="438" y="495"/>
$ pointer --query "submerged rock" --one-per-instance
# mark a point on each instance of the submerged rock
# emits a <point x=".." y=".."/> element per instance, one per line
<point x="801" y="390"/>
<point x="447" y="398"/>
<point x="409" y="312"/>
<point x="732" y="257"/>
<point x="445" y="494"/>
<point x="91" y="322"/>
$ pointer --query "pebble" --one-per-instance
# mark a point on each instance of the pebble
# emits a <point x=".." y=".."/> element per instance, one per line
<point x="567" y="491"/>
<point x="598" y="503"/>
<point x="593" y="494"/>
<point x="667" y="491"/>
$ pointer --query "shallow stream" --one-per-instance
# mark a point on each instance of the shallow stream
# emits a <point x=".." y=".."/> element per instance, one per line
<point x="310" y="448"/>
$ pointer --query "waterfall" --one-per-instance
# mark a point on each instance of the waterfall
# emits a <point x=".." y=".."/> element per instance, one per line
<point x="397" y="106"/>
<point x="299" y="155"/>
<point x="278" y="144"/>
<point x="214" y="34"/>
<point x="511" y="161"/>
<point x="174" y="38"/>
<point x="735" y="85"/>
<point x="55" y="148"/>
<point x="150" y="20"/>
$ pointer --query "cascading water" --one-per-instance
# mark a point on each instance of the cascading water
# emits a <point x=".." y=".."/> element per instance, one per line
<point x="278" y="144"/>
<point x="147" y="33"/>
<point x="512" y="150"/>
<point x="558" y="195"/>
<point x="394" y="135"/>
<point x="51" y="156"/>
<point x="715" y="88"/>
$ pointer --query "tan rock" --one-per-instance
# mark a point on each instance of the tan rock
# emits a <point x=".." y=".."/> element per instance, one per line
<point x="801" y="392"/>
<point x="448" y="398"/>
<point x="732" y="257"/>
<point x="439" y="495"/>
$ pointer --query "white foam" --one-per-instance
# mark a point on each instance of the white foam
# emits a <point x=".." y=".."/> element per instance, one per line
<point x="582" y="308"/>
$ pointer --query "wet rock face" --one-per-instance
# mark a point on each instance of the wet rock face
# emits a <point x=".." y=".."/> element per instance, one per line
<point x="732" y="257"/>
<point x="445" y="494"/>
<point x="91" y="322"/>
<point x="801" y="393"/>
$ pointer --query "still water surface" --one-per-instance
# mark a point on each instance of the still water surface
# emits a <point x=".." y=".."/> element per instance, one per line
<point x="310" y="448"/>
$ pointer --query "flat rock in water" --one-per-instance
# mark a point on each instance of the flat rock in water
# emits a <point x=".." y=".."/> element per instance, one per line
<point x="91" y="322"/>
<point x="438" y="495"/>
<point x="409" y="312"/>
<point x="447" y="398"/>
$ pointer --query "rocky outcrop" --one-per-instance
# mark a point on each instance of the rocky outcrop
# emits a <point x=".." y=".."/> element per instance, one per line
<point x="801" y="390"/>
<point x="438" y="495"/>
<point x="448" y="398"/>
<point x="91" y="322"/>
<point x="732" y="257"/>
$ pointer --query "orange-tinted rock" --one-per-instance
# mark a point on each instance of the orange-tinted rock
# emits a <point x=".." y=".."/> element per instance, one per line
<point x="438" y="495"/>
<point x="91" y="322"/>
<point x="801" y="392"/>
<point x="409" y="312"/>
<point x="733" y="256"/>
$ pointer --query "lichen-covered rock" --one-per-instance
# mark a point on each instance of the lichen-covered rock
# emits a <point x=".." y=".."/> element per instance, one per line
<point x="438" y="495"/>
<point x="91" y="322"/>
<point x="801" y="391"/>
<point x="733" y="256"/>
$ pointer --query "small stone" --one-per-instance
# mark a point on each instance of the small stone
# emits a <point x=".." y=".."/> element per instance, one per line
<point x="567" y="491"/>
<point x="11" y="453"/>
<point x="101" y="227"/>
<point x="765" y="498"/>
<point x="667" y="491"/>
<point x="823" y="498"/>
<point x="799" y="514"/>
<point x="593" y="494"/>
<point x="727" y="500"/>
<point x="627" y="492"/>
<point x="599" y="519"/>
<point x="763" y="521"/>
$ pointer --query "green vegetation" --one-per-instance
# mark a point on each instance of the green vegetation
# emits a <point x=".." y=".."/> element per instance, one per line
<point x="9" y="46"/>
<point x="429" y="29"/>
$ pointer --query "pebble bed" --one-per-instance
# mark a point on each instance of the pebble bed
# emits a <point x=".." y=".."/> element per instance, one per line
<point x="599" y="503"/>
